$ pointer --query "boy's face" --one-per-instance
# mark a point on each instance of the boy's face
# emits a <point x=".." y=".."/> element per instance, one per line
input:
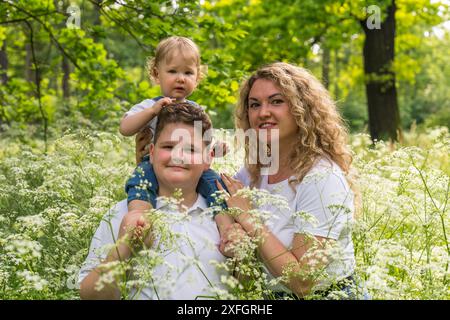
<point x="177" y="157"/>
<point x="177" y="76"/>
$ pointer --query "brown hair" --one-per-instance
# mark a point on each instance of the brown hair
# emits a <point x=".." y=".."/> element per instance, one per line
<point x="183" y="112"/>
<point x="321" y="132"/>
<point x="170" y="46"/>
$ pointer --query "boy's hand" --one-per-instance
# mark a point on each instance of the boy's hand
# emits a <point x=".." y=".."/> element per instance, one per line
<point x="162" y="103"/>
<point x="232" y="235"/>
<point x="136" y="228"/>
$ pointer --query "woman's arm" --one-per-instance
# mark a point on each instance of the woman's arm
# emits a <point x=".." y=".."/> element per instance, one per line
<point x="278" y="259"/>
<point x="273" y="253"/>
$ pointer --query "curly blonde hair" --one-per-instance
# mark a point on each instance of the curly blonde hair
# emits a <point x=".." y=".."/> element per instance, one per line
<point x="321" y="131"/>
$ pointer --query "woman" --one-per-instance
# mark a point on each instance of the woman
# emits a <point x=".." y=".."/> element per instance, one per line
<point x="295" y="112"/>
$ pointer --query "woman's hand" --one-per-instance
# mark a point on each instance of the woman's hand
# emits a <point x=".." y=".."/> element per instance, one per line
<point x="220" y="149"/>
<point x="232" y="235"/>
<point x="235" y="201"/>
<point x="233" y="186"/>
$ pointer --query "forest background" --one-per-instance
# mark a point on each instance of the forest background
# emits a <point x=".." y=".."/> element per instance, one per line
<point x="70" y="69"/>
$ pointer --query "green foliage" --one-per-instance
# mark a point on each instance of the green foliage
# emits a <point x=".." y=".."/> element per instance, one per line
<point x="107" y="55"/>
<point x="50" y="204"/>
<point x="425" y="99"/>
<point x="112" y="42"/>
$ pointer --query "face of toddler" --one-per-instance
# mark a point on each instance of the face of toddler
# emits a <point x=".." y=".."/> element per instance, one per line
<point x="177" y="76"/>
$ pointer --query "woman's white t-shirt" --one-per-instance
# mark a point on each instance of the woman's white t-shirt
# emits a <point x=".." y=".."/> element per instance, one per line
<point x="324" y="194"/>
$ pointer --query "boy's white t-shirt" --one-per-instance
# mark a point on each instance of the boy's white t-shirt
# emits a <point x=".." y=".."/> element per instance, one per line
<point x="325" y="194"/>
<point x="187" y="272"/>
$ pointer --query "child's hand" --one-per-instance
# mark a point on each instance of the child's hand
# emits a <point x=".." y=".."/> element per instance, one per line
<point x="220" y="149"/>
<point x="232" y="235"/>
<point x="136" y="228"/>
<point x="162" y="103"/>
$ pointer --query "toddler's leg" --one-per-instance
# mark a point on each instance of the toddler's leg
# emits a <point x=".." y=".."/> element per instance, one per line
<point x="142" y="185"/>
<point x="207" y="187"/>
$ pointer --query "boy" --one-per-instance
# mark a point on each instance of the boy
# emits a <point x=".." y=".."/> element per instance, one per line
<point x="178" y="165"/>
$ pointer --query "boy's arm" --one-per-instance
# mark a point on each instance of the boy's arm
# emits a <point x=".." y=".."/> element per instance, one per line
<point x="109" y="292"/>
<point x="139" y="205"/>
<point x="132" y="124"/>
<point x="131" y="228"/>
<point x="223" y="221"/>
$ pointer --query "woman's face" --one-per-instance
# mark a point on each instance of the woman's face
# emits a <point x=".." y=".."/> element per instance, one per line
<point x="269" y="113"/>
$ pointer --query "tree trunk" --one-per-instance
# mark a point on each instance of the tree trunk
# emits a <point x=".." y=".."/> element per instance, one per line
<point x="384" y="116"/>
<point x="32" y="74"/>
<point x="65" y="64"/>
<point x="3" y="64"/>
<point x="29" y="73"/>
<point x="97" y="13"/>
<point x="65" y="79"/>
<point x="96" y="19"/>
<point x="326" y="66"/>
<point x="337" y="93"/>
<point x="3" y="76"/>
